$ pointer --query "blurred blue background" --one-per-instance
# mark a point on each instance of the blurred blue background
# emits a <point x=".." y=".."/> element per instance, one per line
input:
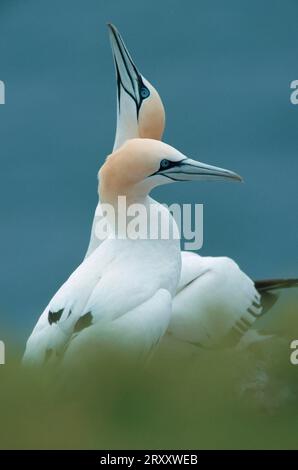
<point x="223" y="69"/>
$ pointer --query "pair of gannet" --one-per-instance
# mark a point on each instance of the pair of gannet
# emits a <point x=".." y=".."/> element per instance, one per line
<point x="132" y="291"/>
<point x="215" y="303"/>
<point x="122" y="292"/>
<point x="215" y="300"/>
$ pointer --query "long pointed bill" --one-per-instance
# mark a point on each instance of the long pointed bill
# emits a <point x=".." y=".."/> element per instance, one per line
<point x="191" y="170"/>
<point x="127" y="73"/>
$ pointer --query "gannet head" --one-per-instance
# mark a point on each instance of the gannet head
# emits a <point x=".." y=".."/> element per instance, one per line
<point x="140" y="112"/>
<point x="142" y="164"/>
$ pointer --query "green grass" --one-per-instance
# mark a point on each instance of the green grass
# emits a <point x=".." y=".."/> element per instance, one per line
<point x="211" y="402"/>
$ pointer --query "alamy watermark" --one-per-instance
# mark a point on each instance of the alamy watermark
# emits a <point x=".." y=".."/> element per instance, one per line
<point x="2" y="353"/>
<point x="2" y="101"/>
<point x="151" y="221"/>
<point x="2" y="92"/>
<point x="294" y="94"/>
<point x="294" y="353"/>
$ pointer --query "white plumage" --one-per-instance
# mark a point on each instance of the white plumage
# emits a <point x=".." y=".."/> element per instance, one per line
<point x="214" y="297"/>
<point x="122" y="292"/>
<point x="214" y="300"/>
<point x="126" y="292"/>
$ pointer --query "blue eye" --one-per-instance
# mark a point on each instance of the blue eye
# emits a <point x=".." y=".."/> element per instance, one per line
<point x="144" y="92"/>
<point x="165" y="163"/>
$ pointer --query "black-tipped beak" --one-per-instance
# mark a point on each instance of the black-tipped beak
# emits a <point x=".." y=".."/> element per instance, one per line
<point x="128" y="76"/>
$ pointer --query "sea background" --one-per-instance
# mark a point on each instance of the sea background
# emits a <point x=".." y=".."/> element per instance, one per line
<point x="223" y="70"/>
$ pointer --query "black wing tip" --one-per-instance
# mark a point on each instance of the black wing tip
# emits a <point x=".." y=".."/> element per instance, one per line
<point x="274" y="284"/>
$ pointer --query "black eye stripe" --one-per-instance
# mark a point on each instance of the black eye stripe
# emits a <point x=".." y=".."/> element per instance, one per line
<point x="166" y="164"/>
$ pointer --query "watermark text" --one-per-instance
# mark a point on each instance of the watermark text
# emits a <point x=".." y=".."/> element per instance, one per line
<point x="151" y="221"/>
<point x="294" y="354"/>
<point x="294" y="94"/>
<point x="2" y="92"/>
<point x="2" y="353"/>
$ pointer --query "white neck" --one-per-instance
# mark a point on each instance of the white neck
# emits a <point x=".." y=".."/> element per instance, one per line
<point x="127" y="124"/>
<point x="140" y="218"/>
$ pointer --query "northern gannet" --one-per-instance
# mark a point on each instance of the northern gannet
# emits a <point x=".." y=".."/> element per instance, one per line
<point x="122" y="293"/>
<point x="215" y="300"/>
<point x="140" y="112"/>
